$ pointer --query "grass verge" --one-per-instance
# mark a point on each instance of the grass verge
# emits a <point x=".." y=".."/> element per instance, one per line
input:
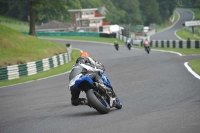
<point x="85" y="38"/>
<point x="17" y="48"/>
<point x="58" y="70"/>
<point x="184" y="34"/>
<point x="195" y="65"/>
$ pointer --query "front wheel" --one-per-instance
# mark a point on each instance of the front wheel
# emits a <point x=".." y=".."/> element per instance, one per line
<point x="118" y="104"/>
<point x="97" y="101"/>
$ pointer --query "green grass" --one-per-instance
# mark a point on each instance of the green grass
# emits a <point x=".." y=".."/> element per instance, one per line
<point x="16" y="48"/>
<point x="84" y="38"/>
<point x="14" y="23"/>
<point x="58" y="70"/>
<point x="195" y="65"/>
<point x="184" y="34"/>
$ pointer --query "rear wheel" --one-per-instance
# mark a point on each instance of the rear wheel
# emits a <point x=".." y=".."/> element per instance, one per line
<point x="97" y="101"/>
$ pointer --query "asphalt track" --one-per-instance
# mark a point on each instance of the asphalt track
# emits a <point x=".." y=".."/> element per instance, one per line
<point x="169" y="33"/>
<point x="158" y="95"/>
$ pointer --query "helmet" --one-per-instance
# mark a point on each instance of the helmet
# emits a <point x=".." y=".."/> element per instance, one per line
<point x="85" y="54"/>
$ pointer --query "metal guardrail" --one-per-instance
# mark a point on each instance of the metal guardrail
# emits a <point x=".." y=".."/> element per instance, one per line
<point x="31" y="68"/>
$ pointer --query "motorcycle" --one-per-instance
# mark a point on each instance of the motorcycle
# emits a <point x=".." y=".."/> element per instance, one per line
<point x="99" y="100"/>
<point x="147" y="49"/>
<point x="116" y="46"/>
<point x="129" y="46"/>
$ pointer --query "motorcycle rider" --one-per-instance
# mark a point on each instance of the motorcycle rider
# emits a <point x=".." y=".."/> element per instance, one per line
<point x="116" y="45"/>
<point x="128" y="42"/>
<point x="146" y="44"/>
<point x="98" y="82"/>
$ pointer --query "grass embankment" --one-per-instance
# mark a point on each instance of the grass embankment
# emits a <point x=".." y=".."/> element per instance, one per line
<point x="16" y="48"/>
<point x="185" y="34"/>
<point x="14" y="23"/>
<point x="84" y="38"/>
<point x="58" y="70"/>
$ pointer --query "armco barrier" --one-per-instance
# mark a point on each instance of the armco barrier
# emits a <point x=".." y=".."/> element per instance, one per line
<point x="164" y="43"/>
<point x="31" y="68"/>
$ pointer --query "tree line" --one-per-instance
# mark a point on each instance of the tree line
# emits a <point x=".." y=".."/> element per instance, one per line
<point x="118" y="11"/>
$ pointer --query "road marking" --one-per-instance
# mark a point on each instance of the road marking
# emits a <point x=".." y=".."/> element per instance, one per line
<point x="191" y="71"/>
<point x="168" y="52"/>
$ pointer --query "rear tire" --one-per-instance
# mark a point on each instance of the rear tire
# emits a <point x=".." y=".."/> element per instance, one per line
<point x="97" y="102"/>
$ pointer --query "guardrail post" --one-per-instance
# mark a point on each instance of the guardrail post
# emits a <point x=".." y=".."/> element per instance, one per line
<point x="181" y="44"/>
<point x="174" y="44"/>
<point x="168" y="44"/>
<point x="51" y="63"/>
<point x="22" y="70"/>
<point x="141" y="43"/>
<point x="162" y="44"/>
<point x="3" y="73"/>
<point x="156" y="43"/>
<point x="188" y="44"/>
<point x="39" y="66"/>
<point x="197" y="44"/>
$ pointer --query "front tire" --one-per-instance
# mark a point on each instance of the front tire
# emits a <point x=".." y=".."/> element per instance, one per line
<point x="97" y="101"/>
<point x="118" y="104"/>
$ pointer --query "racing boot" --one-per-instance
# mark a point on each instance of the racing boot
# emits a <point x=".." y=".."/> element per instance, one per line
<point x="83" y="101"/>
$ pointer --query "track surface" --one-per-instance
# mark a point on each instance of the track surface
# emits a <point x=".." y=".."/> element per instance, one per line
<point x="169" y="34"/>
<point x="158" y="95"/>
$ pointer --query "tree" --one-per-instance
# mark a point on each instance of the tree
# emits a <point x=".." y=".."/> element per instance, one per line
<point x="131" y="9"/>
<point x="38" y="5"/>
<point x="197" y="3"/>
<point x="166" y="8"/>
<point x="91" y="3"/>
<point x="150" y="11"/>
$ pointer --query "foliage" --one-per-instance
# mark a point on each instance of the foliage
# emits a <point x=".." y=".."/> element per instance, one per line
<point x="150" y="11"/>
<point x="118" y="11"/>
<point x="166" y="9"/>
<point x="131" y="10"/>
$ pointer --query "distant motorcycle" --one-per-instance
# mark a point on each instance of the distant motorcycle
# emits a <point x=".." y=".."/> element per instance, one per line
<point x="116" y="46"/>
<point x="129" y="46"/>
<point x="147" y="46"/>
<point x="148" y="49"/>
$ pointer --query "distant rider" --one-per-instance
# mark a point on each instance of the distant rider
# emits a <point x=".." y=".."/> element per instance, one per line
<point x="98" y="82"/>
<point x="128" y="42"/>
<point x="146" y="44"/>
<point x="116" y="45"/>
